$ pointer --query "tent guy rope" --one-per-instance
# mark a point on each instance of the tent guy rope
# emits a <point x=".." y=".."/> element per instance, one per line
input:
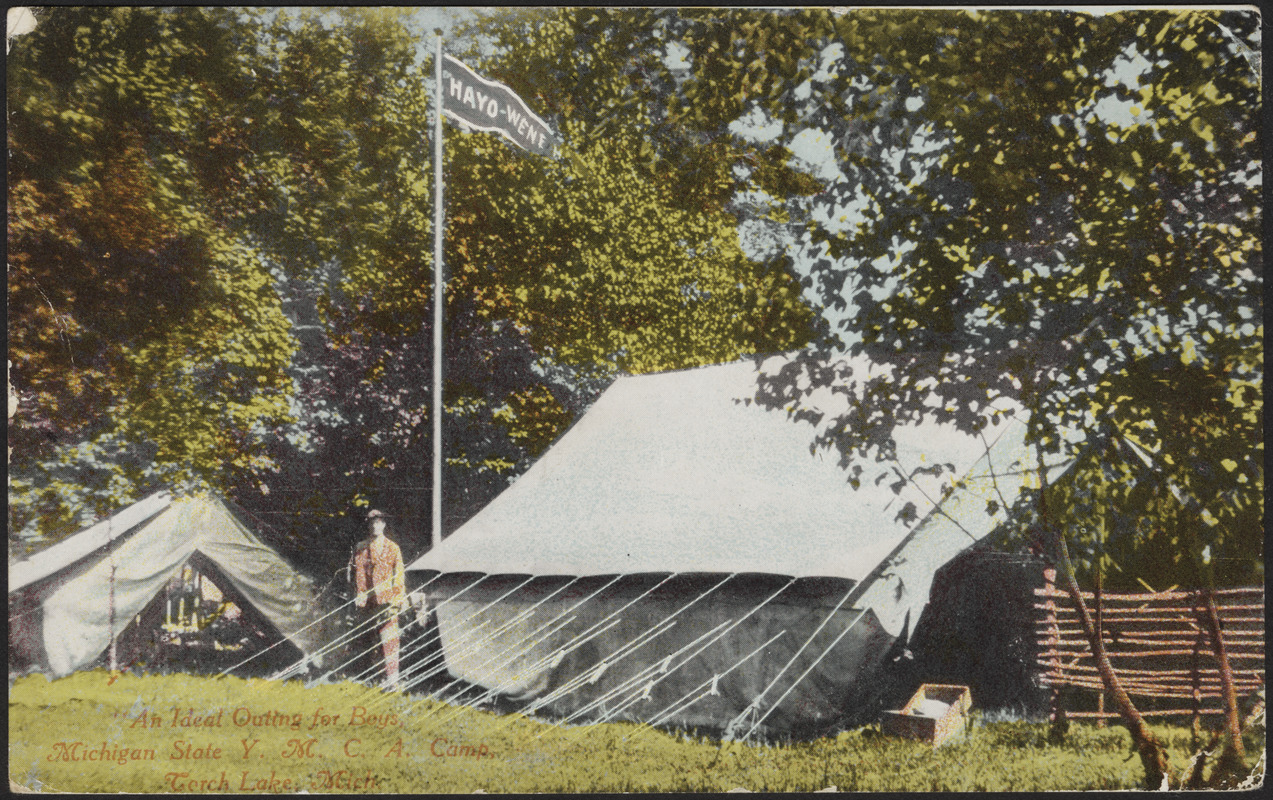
<point x="704" y="689"/>
<point x="367" y="650"/>
<point x="299" y="664"/>
<point x="470" y="637"/>
<point x="804" y="674"/>
<point x="492" y="691"/>
<point x="524" y="614"/>
<point x="632" y="646"/>
<point x="755" y="703"/>
<point x="715" y="638"/>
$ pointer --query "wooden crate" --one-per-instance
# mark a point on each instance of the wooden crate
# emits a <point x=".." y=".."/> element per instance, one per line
<point x="921" y="719"/>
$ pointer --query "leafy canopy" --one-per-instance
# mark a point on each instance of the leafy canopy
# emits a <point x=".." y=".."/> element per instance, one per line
<point x="222" y="267"/>
<point x="1079" y="236"/>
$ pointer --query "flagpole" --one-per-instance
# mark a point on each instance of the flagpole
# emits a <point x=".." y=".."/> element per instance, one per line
<point x="436" y="538"/>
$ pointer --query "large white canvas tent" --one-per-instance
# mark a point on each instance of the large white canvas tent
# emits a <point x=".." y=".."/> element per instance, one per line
<point x="681" y="557"/>
<point x="68" y="600"/>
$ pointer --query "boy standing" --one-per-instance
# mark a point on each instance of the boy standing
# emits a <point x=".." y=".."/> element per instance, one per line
<point x="382" y="590"/>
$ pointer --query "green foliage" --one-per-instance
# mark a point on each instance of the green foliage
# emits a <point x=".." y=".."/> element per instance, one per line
<point x="222" y="249"/>
<point x="528" y="756"/>
<point x="627" y="250"/>
<point x="602" y="265"/>
<point x="1080" y="236"/>
<point x="1138" y="533"/>
<point x="145" y="333"/>
<point x="222" y="368"/>
<point x="534" y="418"/>
<point x="221" y="227"/>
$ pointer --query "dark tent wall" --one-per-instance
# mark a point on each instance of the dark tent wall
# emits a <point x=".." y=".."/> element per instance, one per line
<point x="26" y="621"/>
<point x="979" y="630"/>
<point x="952" y="642"/>
<point x="605" y="647"/>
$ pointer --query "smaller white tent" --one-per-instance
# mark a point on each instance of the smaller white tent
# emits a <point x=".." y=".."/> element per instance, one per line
<point x="60" y="599"/>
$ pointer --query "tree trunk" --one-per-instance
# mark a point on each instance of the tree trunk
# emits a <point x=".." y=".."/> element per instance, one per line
<point x="1153" y="755"/>
<point x="1232" y="761"/>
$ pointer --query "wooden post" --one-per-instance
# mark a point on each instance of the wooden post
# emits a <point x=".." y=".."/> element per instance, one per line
<point x="1100" y="696"/>
<point x="1231" y="756"/>
<point x="114" y="659"/>
<point x="110" y="548"/>
<point x="1056" y="715"/>
<point x="1195" y="677"/>
<point x="1196" y="724"/>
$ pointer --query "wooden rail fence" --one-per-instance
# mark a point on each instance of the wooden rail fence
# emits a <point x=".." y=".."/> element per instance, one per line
<point x="1157" y="643"/>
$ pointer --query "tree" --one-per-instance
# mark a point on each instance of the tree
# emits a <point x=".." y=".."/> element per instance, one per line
<point x="133" y="311"/>
<point x="307" y="169"/>
<point x="1079" y="237"/>
<point x="220" y="225"/>
<point x="560" y="272"/>
<point x="1083" y="241"/>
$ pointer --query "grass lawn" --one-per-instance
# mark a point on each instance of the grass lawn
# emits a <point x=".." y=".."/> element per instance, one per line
<point x="85" y="733"/>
